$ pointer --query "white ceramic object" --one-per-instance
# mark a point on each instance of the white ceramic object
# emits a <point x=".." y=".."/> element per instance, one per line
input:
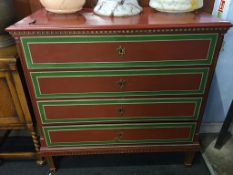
<point x="117" y="8"/>
<point x="63" y="6"/>
<point x="176" y="6"/>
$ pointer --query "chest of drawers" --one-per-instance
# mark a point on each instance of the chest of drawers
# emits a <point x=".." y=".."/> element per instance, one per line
<point x="118" y="85"/>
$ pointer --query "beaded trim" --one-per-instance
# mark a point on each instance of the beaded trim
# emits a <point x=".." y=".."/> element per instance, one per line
<point x="102" y="32"/>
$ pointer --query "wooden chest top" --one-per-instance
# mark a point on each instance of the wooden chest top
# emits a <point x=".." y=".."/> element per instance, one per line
<point x="87" y="20"/>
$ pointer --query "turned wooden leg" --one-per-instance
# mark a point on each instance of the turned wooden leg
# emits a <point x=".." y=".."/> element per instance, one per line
<point x="39" y="160"/>
<point x="188" y="160"/>
<point x="51" y="164"/>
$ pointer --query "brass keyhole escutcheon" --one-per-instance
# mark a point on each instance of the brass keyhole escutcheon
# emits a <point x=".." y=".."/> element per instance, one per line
<point x="121" y="51"/>
<point x="120" y="135"/>
<point x="121" y="111"/>
<point x="121" y="84"/>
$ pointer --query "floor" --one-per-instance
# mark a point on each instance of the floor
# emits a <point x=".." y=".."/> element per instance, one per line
<point x="212" y="162"/>
<point x="219" y="161"/>
<point x="133" y="164"/>
<point x="143" y="164"/>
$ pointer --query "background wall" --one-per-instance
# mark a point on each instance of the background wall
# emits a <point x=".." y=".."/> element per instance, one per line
<point x="221" y="92"/>
<point x="25" y="7"/>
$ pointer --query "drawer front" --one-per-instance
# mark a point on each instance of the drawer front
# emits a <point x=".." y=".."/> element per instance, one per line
<point x="126" y="110"/>
<point x="119" y="134"/>
<point x="63" y="84"/>
<point x="118" y="51"/>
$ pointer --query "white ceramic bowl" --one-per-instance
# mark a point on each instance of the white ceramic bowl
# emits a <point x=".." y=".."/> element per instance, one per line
<point x="176" y="6"/>
<point x="63" y="6"/>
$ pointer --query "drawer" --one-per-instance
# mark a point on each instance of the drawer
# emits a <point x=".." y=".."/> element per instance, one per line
<point x="119" y="134"/>
<point x="102" y="83"/>
<point x="126" y="110"/>
<point x="118" y="50"/>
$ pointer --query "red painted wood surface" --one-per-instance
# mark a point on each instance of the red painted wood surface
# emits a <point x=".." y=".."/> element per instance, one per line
<point x="108" y="52"/>
<point x="87" y="20"/>
<point x="175" y="110"/>
<point x="113" y="134"/>
<point x="113" y="149"/>
<point x="52" y="85"/>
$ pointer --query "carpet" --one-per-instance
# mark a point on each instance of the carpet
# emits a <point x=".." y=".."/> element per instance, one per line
<point x="116" y="164"/>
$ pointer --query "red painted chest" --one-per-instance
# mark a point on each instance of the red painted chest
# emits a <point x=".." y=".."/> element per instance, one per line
<point x="118" y="85"/>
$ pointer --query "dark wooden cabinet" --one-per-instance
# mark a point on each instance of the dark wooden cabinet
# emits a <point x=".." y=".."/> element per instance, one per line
<point x="14" y="111"/>
<point x="10" y="109"/>
<point x="119" y="85"/>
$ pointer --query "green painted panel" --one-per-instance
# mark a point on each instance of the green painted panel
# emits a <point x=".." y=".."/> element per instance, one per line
<point x="196" y="101"/>
<point x="105" y="127"/>
<point x="25" y="41"/>
<point x="202" y="71"/>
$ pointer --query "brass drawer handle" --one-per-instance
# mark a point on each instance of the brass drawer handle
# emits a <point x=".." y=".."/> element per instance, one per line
<point x="121" y="51"/>
<point x="121" y="111"/>
<point x="121" y="84"/>
<point x="119" y="136"/>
